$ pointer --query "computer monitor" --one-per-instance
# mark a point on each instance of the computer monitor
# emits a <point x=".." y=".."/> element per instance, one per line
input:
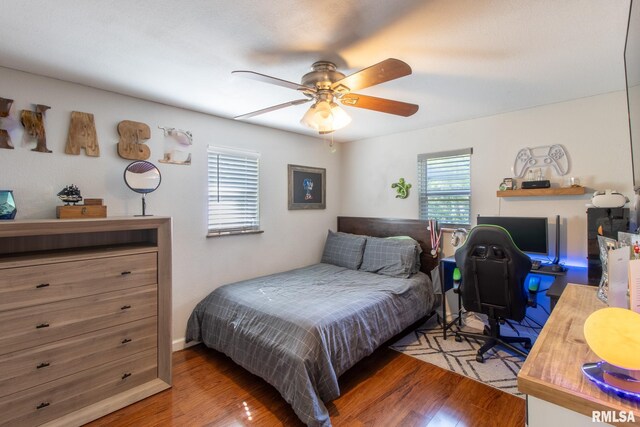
<point x="529" y="234"/>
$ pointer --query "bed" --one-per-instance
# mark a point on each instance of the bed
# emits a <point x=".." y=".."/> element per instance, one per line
<point x="300" y="330"/>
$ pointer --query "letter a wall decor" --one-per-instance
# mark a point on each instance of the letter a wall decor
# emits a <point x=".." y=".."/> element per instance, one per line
<point x="82" y="134"/>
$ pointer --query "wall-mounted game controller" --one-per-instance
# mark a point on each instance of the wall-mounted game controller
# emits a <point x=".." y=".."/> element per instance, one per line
<point x="540" y="157"/>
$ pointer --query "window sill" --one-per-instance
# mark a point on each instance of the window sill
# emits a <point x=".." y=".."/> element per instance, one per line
<point x="451" y="229"/>
<point x="233" y="233"/>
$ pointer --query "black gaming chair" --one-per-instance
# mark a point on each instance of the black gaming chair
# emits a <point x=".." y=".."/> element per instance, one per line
<point x="493" y="271"/>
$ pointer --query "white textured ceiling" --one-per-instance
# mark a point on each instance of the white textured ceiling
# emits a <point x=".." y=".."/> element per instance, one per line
<point x="470" y="58"/>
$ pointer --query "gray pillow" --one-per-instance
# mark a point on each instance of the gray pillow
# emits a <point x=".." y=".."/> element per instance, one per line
<point x="411" y="241"/>
<point x="395" y="258"/>
<point x="344" y="250"/>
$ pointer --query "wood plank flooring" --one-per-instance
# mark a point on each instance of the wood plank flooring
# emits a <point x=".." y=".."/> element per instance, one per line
<point x="385" y="389"/>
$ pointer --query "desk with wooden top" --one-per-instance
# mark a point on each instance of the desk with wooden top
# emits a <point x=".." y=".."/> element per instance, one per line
<point x="557" y="391"/>
<point x="577" y="275"/>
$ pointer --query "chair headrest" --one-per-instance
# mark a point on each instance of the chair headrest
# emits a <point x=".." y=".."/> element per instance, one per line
<point x="488" y="235"/>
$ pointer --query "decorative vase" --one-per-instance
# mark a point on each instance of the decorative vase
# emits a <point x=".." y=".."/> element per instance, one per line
<point x="7" y="205"/>
<point x="605" y="244"/>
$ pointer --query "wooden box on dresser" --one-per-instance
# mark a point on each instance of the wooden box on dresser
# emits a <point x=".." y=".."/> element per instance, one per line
<point x="85" y="317"/>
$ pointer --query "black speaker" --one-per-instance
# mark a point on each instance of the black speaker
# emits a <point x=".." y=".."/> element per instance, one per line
<point x="527" y="185"/>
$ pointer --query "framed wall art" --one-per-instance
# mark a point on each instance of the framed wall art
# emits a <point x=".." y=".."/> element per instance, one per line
<point x="307" y="187"/>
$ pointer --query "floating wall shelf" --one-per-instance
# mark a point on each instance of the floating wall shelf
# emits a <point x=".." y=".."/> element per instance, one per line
<point x="533" y="192"/>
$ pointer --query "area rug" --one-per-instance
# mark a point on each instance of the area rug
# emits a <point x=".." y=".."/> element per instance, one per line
<point x="499" y="370"/>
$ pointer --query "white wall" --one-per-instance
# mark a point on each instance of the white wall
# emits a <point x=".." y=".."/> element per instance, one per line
<point x="594" y="131"/>
<point x="634" y="126"/>
<point x="290" y="239"/>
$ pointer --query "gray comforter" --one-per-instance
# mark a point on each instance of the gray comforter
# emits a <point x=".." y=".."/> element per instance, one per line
<point x="301" y="329"/>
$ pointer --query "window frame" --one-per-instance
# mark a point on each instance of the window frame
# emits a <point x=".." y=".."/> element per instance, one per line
<point x="233" y="154"/>
<point x="422" y="181"/>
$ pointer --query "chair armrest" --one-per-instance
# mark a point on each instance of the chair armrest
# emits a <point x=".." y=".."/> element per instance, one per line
<point x="532" y="299"/>
<point x="456" y="286"/>
<point x="457" y="279"/>
<point x="533" y="284"/>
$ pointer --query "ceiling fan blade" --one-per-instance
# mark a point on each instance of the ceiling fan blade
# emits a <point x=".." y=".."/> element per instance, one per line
<point x="273" y="80"/>
<point x="272" y="108"/>
<point x="389" y="69"/>
<point x="379" y="104"/>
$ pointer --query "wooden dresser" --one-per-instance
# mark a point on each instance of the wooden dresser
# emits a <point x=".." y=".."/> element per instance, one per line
<point x="85" y="317"/>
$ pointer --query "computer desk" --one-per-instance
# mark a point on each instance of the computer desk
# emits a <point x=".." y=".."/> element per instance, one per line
<point x="558" y="393"/>
<point x="576" y="275"/>
<point x="446" y="268"/>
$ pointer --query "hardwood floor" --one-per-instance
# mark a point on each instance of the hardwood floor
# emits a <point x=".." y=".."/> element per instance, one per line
<point x="386" y="389"/>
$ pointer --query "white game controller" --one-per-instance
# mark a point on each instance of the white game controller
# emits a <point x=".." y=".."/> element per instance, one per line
<point x="541" y="157"/>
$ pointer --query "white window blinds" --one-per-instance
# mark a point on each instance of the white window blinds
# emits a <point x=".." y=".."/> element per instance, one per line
<point x="445" y="187"/>
<point x="233" y="191"/>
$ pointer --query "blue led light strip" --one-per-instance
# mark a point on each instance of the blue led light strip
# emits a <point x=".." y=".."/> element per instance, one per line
<point x="594" y="372"/>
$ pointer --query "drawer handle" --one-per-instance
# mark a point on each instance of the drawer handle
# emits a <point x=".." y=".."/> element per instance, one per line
<point x="124" y="273"/>
<point x="42" y="325"/>
<point x="126" y="340"/>
<point x="126" y="375"/>
<point x="42" y="285"/>
<point x="42" y="405"/>
<point x="43" y="365"/>
<point x="125" y="307"/>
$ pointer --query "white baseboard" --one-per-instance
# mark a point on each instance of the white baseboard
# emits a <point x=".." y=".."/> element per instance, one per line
<point x="180" y="344"/>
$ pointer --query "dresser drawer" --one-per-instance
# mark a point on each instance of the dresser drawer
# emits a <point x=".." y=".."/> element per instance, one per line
<point x="40" y="404"/>
<point x="34" y="326"/>
<point x="38" y="284"/>
<point x="27" y="368"/>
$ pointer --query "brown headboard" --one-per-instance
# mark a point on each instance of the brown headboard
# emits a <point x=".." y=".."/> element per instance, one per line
<point x="386" y="227"/>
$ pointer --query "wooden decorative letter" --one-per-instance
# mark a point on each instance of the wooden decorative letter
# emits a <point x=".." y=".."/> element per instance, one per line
<point x="33" y="122"/>
<point x="132" y="136"/>
<point x="176" y="146"/>
<point x="82" y="134"/>
<point x="5" y="138"/>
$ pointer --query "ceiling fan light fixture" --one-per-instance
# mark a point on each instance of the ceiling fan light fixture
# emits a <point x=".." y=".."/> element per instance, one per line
<point x="318" y="117"/>
<point x="340" y="117"/>
<point x="324" y="84"/>
<point x="325" y="117"/>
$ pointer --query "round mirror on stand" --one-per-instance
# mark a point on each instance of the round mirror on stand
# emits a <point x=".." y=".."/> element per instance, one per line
<point x="142" y="177"/>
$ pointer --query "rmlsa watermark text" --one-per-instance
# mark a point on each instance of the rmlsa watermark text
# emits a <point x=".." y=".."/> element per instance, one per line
<point x="613" y="417"/>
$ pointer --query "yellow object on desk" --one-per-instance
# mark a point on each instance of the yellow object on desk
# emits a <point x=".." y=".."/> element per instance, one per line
<point x="612" y="334"/>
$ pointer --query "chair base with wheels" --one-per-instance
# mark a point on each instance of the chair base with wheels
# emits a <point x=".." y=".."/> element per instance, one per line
<point x="492" y="337"/>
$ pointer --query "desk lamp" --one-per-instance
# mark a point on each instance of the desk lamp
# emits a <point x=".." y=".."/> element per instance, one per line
<point x="612" y="334"/>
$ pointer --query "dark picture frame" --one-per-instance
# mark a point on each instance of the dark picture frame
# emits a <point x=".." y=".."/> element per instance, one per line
<point x="307" y="187"/>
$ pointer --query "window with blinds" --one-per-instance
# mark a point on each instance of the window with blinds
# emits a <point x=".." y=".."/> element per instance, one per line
<point x="234" y="206"/>
<point x="445" y="187"/>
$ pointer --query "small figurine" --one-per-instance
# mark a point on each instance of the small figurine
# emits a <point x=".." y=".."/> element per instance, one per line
<point x="70" y="194"/>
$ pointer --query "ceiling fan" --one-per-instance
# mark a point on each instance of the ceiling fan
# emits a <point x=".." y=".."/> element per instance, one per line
<point x="326" y="86"/>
